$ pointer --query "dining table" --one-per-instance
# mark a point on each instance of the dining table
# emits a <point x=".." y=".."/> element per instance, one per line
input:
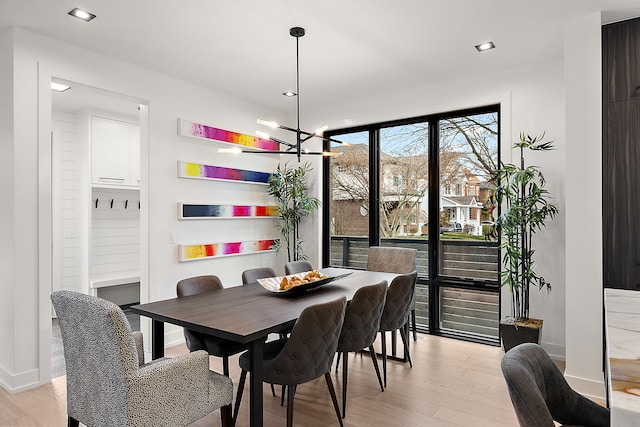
<point x="248" y="314"/>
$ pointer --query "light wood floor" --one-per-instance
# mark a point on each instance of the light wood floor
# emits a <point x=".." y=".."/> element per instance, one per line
<point x="452" y="383"/>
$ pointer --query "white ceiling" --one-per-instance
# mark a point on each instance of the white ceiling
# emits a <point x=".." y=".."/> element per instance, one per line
<point x="352" y="47"/>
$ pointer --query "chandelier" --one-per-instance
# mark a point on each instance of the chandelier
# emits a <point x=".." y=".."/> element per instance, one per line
<point x="302" y="136"/>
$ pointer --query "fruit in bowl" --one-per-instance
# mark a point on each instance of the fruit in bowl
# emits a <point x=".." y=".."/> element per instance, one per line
<point x="300" y="279"/>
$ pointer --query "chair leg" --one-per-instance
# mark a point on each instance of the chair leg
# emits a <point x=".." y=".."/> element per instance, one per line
<point x="334" y="399"/>
<point x="72" y="422"/>
<point x="291" y="392"/>
<point x="284" y="389"/>
<point x="405" y="341"/>
<point x="383" y="342"/>
<point x="372" y="352"/>
<point x="273" y="390"/>
<point x="226" y="416"/>
<point x="243" y="377"/>
<point x="394" y="343"/>
<point x="413" y="324"/>
<point x="337" y="362"/>
<point x="225" y="366"/>
<point x="345" y="375"/>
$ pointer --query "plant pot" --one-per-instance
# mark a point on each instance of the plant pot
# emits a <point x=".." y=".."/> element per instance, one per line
<point x="514" y="332"/>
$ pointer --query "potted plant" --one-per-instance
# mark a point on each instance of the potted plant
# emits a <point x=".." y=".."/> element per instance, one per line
<point x="288" y="185"/>
<point x="526" y="209"/>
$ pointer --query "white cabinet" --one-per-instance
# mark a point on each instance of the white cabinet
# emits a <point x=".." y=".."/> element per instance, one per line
<point x="115" y="152"/>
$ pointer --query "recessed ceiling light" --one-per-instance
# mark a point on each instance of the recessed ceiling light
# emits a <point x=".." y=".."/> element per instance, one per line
<point x="485" y="46"/>
<point x="58" y="87"/>
<point x="82" y="14"/>
<point x="289" y="93"/>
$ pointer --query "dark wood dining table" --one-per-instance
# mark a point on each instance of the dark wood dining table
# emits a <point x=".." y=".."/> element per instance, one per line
<point x="248" y="314"/>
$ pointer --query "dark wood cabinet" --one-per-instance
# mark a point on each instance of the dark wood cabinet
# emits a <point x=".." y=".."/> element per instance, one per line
<point x="621" y="154"/>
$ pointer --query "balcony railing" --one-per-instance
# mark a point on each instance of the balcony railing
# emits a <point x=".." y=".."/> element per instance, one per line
<point x="463" y="310"/>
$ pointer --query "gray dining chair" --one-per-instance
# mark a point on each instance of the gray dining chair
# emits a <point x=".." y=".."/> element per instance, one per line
<point x="540" y="394"/>
<point x="294" y="267"/>
<point x="215" y="346"/>
<point x="108" y="383"/>
<point x="306" y="355"/>
<point x="390" y="259"/>
<point x="253" y="274"/>
<point x="359" y="330"/>
<point x="395" y="314"/>
<point x="250" y="277"/>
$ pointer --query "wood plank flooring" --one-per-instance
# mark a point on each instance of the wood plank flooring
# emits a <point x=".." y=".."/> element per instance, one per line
<point x="452" y="383"/>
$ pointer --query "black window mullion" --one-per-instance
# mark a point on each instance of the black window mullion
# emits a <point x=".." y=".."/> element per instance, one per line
<point x="434" y="225"/>
<point x="374" y="187"/>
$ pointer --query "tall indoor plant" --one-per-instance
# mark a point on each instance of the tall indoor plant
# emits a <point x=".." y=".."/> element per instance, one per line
<point x="288" y="185"/>
<point x="521" y="191"/>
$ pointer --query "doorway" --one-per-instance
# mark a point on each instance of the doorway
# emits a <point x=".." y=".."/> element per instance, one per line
<point x="95" y="226"/>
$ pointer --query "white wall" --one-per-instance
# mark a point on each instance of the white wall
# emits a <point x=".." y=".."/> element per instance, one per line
<point x="24" y="357"/>
<point x="583" y="180"/>
<point x="7" y="282"/>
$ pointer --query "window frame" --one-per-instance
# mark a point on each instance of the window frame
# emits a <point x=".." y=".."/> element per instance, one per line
<point x="434" y="280"/>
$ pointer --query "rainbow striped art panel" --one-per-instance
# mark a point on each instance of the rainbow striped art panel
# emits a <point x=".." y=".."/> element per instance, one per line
<point x="202" y="211"/>
<point x="216" y="250"/>
<point x="200" y="171"/>
<point x="198" y="130"/>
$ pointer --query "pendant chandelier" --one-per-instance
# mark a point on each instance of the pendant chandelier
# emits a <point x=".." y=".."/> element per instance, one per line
<point x="302" y="136"/>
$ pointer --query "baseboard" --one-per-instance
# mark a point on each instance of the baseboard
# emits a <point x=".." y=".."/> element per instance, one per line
<point x="173" y="338"/>
<point x="17" y="383"/>
<point x="589" y="388"/>
<point x="555" y="351"/>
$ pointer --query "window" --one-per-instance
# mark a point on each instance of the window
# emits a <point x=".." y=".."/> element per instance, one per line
<point x="424" y="183"/>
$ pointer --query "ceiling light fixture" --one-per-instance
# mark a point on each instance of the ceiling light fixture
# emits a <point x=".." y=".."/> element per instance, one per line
<point x="289" y="93"/>
<point x="82" y="14"/>
<point x="485" y="46"/>
<point x="302" y="136"/>
<point x="59" y="87"/>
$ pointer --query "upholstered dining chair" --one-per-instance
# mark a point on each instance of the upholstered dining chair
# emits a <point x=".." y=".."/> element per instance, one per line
<point x="395" y="314"/>
<point x="250" y="277"/>
<point x="540" y="394"/>
<point x="306" y="355"/>
<point x="108" y="383"/>
<point x="359" y="330"/>
<point x="293" y="267"/>
<point x="395" y="260"/>
<point x="215" y="346"/>
<point x="253" y="274"/>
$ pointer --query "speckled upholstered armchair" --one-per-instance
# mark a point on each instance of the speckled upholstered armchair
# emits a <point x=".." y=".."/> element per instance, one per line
<point x="540" y="394"/>
<point x="109" y="385"/>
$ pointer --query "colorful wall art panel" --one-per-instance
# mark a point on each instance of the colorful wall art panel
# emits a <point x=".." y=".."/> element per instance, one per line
<point x="199" y="171"/>
<point x="198" y="211"/>
<point x="198" y="130"/>
<point x="214" y="250"/>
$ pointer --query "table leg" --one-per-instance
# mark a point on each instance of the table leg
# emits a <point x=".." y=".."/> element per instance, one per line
<point x="157" y="339"/>
<point x="255" y="389"/>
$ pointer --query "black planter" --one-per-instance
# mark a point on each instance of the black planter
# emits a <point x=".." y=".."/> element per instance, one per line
<point x="514" y="333"/>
